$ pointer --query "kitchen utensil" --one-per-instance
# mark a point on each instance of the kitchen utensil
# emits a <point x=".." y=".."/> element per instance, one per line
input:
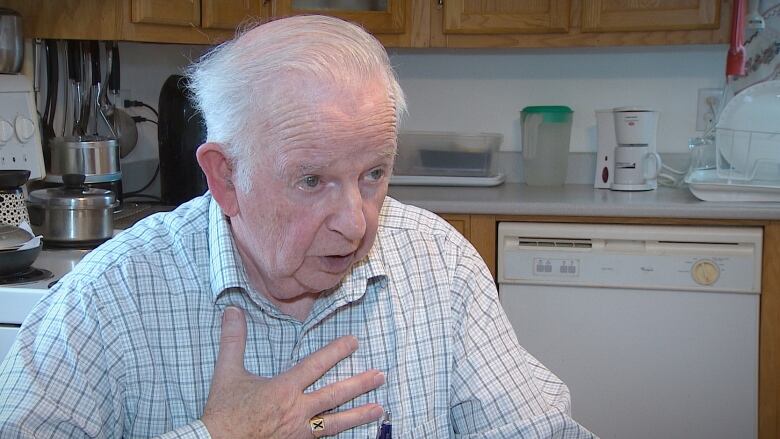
<point x="13" y="237"/>
<point x="51" y="52"/>
<point x="124" y="125"/>
<point x="11" y="41"/>
<point x="735" y="58"/>
<point x="94" y="58"/>
<point x="13" y="206"/>
<point x="17" y="261"/>
<point x="72" y="214"/>
<point x="754" y="19"/>
<point x="75" y="60"/>
<point x="546" y="135"/>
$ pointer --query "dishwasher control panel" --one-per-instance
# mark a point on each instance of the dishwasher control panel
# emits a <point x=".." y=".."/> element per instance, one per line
<point x="556" y="266"/>
<point x="629" y="256"/>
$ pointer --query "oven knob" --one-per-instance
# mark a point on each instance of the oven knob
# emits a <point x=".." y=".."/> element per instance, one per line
<point x="6" y="131"/>
<point x="24" y="128"/>
<point x="705" y="272"/>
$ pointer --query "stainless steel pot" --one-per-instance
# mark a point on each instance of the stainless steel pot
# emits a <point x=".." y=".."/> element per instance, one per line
<point x="11" y="41"/>
<point x="72" y="214"/>
<point x="95" y="157"/>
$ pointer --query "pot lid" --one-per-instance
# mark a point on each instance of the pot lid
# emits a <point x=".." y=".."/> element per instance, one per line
<point x="73" y="195"/>
<point x="12" y="237"/>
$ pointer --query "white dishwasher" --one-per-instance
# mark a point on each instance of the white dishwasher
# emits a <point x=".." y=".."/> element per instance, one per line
<point x="653" y="328"/>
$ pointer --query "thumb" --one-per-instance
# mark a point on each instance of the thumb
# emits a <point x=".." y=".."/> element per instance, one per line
<point x="232" y="341"/>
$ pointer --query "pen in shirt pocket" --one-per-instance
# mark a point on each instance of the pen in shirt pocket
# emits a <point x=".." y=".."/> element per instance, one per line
<point x="385" y="428"/>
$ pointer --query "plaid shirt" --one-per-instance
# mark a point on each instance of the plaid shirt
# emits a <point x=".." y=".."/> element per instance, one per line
<point x="125" y="345"/>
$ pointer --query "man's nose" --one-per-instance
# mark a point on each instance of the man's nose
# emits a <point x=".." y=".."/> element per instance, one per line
<point x="348" y="218"/>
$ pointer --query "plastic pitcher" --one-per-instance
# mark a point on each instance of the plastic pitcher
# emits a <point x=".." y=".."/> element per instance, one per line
<point x="546" y="136"/>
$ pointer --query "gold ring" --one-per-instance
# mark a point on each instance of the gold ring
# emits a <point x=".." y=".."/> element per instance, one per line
<point x="317" y="423"/>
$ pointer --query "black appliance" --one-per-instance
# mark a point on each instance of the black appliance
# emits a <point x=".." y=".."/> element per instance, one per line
<point x="180" y="132"/>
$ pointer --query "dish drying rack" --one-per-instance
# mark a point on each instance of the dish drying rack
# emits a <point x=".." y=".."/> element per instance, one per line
<point x="747" y="144"/>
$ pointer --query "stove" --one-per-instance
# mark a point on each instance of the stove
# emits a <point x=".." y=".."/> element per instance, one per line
<point x="20" y="294"/>
<point x="29" y="275"/>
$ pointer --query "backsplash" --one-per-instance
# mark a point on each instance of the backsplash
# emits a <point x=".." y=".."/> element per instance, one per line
<point x="484" y="91"/>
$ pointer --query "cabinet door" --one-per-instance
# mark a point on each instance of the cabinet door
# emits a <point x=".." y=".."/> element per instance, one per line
<point x="657" y="15"/>
<point x="73" y="20"/>
<point x="460" y="222"/>
<point x="229" y="14"/>
<point x="169" y="12"/>
<point x="506" y="16"/>
<point x="377" y="16"/>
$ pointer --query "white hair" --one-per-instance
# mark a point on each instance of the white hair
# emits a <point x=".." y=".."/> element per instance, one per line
<point x="235" y="85"/>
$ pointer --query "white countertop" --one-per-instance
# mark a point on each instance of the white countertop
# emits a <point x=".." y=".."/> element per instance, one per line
<point x="578" y="200"/>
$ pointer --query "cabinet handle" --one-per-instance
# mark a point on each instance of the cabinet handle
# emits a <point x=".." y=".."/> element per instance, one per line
<point x="439" y="4"/>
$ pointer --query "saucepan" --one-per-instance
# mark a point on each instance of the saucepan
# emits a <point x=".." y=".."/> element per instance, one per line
<point x="72" y="214"/>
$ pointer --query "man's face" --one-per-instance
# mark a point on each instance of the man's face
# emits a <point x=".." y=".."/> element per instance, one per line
<point x="313" y="208"/>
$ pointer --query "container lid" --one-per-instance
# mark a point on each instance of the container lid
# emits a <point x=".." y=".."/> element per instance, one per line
<point x="551" y="113"/>
<point x="12" y="237"/>
<point x="73" y="195"/>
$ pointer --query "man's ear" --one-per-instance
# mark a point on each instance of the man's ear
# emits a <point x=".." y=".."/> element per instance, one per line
<point x="219" y="175"/>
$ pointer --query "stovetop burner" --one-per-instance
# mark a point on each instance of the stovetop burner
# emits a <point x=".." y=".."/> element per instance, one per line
<point x="31" y="274"/>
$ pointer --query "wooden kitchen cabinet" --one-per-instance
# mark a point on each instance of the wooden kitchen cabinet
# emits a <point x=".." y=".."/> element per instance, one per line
<point x="460" y="222"/>
<point x="663" y="15"/>
<point x="186" y="21"/>
<point x="170" y="12"/>
<point x="67" y="19"/>
<point x="506" y="16"/>
<point x="396" y="23"/>
<point x="482" y="232"/>
<point x="206" y="14"/>
<point x="164" y="21"/>
<point x="572" y="23"/>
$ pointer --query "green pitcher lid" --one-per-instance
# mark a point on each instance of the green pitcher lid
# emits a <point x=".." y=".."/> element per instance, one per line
<point x="547" y="109"/>
<point x="551" y="113"/>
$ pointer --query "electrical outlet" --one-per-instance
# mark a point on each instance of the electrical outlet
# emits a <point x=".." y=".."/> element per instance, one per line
<point x="119" y="98"/>
<point x="707" y="107"/>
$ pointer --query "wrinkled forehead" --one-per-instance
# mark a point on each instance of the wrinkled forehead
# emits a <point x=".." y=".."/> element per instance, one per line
<point x="314" y="112"/>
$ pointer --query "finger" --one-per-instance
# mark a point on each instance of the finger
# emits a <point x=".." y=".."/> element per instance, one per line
<point x="232" y="341"/>
<point x="315" y="365"/>
<point x="335" y="423"/>
<point x="333" y="395"/>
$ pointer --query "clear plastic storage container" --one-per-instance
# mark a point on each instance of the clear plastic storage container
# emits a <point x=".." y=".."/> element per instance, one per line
<point x="546" y="137"/>
<point x="424" y="153"/>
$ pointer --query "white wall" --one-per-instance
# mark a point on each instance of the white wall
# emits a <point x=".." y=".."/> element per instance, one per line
<point x="484" y="90"/>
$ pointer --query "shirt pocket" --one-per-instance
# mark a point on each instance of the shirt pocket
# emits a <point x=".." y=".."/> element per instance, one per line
<point x="436" y="428"/>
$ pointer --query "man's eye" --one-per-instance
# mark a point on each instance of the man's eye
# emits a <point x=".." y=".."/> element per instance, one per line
<point x="376" y="174"/>
<point x="311" y="181"/>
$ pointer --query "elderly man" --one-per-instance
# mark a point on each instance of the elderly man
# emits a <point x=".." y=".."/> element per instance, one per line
<point x="239" y="314"/>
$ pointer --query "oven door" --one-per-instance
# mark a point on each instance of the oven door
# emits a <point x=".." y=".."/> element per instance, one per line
<point x="7" y="337"/>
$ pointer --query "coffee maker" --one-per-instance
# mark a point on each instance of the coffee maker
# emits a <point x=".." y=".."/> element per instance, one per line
<point x="627" y="158"/>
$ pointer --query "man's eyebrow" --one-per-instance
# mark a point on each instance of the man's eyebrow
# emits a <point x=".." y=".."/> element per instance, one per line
<point x="388" y="153"/>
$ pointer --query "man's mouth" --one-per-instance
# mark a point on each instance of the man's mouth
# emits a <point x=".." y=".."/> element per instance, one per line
<point x="338" y="263"/>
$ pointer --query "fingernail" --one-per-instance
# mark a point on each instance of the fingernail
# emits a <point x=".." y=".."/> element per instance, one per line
<point x="379" y="379"/>
<point x="377" y="412"/>
<point x="353" y="342"/>
<point x="231" y="314"/>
